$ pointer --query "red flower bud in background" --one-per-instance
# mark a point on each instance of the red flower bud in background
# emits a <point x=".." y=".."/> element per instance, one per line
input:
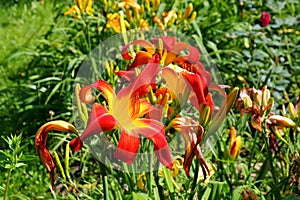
<point x="265" y="19"/>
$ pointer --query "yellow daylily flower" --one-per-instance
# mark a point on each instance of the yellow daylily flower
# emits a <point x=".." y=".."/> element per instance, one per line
<point x="80" y="7"/>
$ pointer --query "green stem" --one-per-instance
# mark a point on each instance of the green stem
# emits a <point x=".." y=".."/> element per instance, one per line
<point x="149" y="178"/>
<point x="104" y="177"/>
<point x="105" y="186"/>
<point x="252" y="149"/>
<point x="273" y="172"/>
<point x="194" y="181"/>
<point x="7" y="184"/>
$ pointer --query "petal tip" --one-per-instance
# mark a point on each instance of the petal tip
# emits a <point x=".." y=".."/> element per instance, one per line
<point x="76" y="144"/>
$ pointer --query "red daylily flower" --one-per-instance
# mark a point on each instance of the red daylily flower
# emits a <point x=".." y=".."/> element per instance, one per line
<point x="187" y="85"/>
<point x="41" y="143"/>
<point x="193" y="72"/>
<point x="129" y="121"/>
<point x="192" y="134"/>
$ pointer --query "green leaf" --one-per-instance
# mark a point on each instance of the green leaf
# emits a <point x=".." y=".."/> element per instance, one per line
<point x="140" y="196"/>
<point x="20" y="164"/>
<point x="237" y="193"/>
<point x="168" y="178"/>
<point x="206" y="194"/>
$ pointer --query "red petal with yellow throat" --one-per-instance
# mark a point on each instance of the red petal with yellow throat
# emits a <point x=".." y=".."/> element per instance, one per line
<point x="100" y="120"/>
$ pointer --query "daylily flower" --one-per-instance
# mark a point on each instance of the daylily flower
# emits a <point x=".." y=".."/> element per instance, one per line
<point x="192" y="134"/>
<point x="79" y="7"/>
<point x="124" y="112"/>
<point x="113" y="21"/>
<point x="193" y="71"/>
<point x="41" y="143"/>
<point x="129" y="3"/>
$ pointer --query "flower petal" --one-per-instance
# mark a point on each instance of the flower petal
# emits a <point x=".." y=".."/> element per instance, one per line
<point x="169" y="42"/>
<point x="198" y="85"/>
<point x="143" y="43"/>
<point x="128" y="147"/>
<point x="154" y="130"/>
<point x="127" y="75"/>
<point x="145" y="79"/>
<point x="189" y="129"/>
<point x="99" y="121"/>
<point x="106" y="88"/>
<point x="141" y="58"/>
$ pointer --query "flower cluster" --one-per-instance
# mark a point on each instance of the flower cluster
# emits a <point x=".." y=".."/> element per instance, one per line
<point x="128" y="14"/>
<point x="151" y="102"/>
<point x="258" y="104"/>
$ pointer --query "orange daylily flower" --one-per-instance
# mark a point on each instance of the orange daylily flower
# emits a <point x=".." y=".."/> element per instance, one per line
<point x="128" y="121"/>
<point x="113" y="21"/>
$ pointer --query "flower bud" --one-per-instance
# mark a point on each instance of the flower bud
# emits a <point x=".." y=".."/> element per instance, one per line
<point x="235" y="147"/>
<point x="265" y="96"/>
<point x="277" y="120"/>
<point x="188" y="11"/>
<point x="292" y="111"/>
<point x="193" y="17"/>
<point x="204" y="115"/>
<point x="247" y="102"/>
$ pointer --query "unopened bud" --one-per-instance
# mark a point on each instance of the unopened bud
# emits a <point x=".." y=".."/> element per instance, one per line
<point x="204" y="115"/>
<point x="232" y="134"/>
<point x="292" y="111"/>
<point x="247" y="102"/>
<point x="223" y="111"/>
<point x="193" y="17"/>
<point x="129" y="15"/>
<point x="278" y="120"/>
<point x="266" y="96"/>
<point x="188" y="11"/>
<point x="147" y="5"/>
<point x="235" y="147"/>
<point x="257" y="97"/>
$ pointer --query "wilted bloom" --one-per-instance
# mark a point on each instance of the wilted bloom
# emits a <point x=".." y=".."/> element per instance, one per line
<point x="248" y="194"/>
<point x="177" y="165"/>
<point x="192" y="133"/>
<point x="265" y="19"/>
<point x="124" y="112"/>
<point x="255" y="103"/>
<point x="206" y="178"/>
<point x="79" y="7"/>
<point x="41" y="143"/>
